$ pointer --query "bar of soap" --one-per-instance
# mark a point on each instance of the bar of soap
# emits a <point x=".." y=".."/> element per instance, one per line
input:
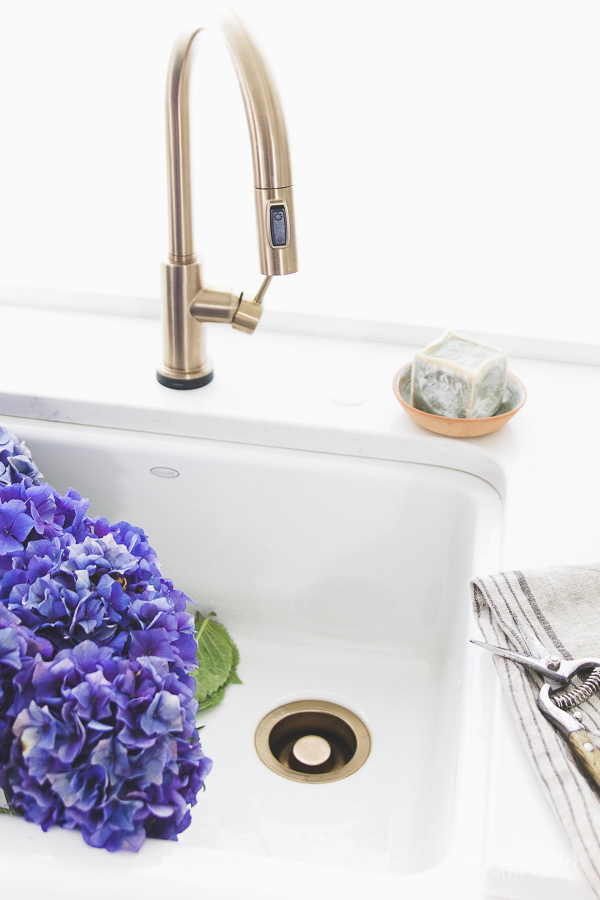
<point x="459" y="377"/>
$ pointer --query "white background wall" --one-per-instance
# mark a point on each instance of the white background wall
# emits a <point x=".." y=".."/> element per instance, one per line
<point x="446" y="155"/>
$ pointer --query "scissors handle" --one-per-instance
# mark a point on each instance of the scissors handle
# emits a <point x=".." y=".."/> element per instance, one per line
<point x="587" y="755"/>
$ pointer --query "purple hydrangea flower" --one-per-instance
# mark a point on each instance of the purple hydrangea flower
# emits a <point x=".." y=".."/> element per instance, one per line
<point x="47" y="518"/>
<point x="16" y="463"/>
<point x="15" y="525"/>
<point x="120" y="758"/>
<point x="97" y="709"/>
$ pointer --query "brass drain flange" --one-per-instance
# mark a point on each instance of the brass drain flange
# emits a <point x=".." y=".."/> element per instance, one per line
<point x="312" y="741"/>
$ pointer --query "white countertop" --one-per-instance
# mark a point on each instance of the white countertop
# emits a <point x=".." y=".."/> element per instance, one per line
<point x="327" y="393"/>
<point x="275" y="389"/>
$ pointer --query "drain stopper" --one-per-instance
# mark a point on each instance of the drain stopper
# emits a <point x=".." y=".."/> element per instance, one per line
<point x="312" y="750"/>
<point x="312" y="741"/>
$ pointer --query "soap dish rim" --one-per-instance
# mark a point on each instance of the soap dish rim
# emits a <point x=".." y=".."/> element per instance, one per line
<point x="454" y="427"/>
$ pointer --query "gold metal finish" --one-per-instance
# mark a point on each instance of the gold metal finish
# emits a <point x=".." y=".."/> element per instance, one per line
<point x="312" y="750"/>
<point x="282" y="741"/>
<point x="249" y="312"/>
<point x="187" y="304"/>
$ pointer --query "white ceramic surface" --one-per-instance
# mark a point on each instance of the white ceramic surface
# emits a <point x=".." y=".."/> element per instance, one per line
<point x="277" y="389"/>
<point x="341" y="578"/>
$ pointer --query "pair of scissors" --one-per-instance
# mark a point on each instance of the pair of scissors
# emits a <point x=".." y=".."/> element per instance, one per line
<point x="558" y="673"/>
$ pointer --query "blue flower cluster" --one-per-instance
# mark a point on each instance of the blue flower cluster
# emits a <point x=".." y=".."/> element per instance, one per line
<point x="15" y="460"/>
<point x="97" y="709"/>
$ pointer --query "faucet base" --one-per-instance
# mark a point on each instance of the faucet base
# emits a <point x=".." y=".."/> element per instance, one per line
<point x="178" y="384"/>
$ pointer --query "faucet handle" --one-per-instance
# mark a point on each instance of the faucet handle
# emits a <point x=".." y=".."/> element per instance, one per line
<point x="249" y="311"/>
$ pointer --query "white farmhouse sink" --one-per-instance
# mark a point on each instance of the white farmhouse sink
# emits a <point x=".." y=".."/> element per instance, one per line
<point x="340" y="578"/>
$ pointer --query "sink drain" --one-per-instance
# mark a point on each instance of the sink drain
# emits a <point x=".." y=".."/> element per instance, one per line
<point x="312" y="741"/>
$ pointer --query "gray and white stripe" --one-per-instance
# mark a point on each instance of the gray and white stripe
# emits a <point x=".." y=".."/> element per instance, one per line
<point x="561" y="605"/>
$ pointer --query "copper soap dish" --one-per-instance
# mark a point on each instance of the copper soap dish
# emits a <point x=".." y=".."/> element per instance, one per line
<point x="514" y="398"/>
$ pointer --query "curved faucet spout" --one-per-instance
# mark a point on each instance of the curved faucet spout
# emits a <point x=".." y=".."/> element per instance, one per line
<point x="186" y="303"/>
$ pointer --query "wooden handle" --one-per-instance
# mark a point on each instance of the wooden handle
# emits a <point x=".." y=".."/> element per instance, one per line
<point x="587" y="755"/>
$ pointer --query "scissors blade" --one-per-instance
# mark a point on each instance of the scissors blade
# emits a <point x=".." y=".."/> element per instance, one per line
<point x="536" y="664"/>
<point x="533" y="644"/>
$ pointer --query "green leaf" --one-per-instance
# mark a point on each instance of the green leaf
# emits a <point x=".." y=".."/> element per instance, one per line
<point x="212" y="699"/>
<point x="233" y="676"/>
<point x="218" y="658"/>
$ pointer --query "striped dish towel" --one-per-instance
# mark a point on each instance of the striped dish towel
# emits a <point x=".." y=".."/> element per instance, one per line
<point x="561" y="606"/>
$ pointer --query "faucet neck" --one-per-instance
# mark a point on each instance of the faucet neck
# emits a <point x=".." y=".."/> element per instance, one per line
<point x="268" y="136"/>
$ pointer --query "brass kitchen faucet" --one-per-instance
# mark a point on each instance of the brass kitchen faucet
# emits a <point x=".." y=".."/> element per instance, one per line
<point x="186" y="304"/>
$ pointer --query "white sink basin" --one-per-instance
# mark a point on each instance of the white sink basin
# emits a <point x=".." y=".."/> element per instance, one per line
<point x="340" y="578"/>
